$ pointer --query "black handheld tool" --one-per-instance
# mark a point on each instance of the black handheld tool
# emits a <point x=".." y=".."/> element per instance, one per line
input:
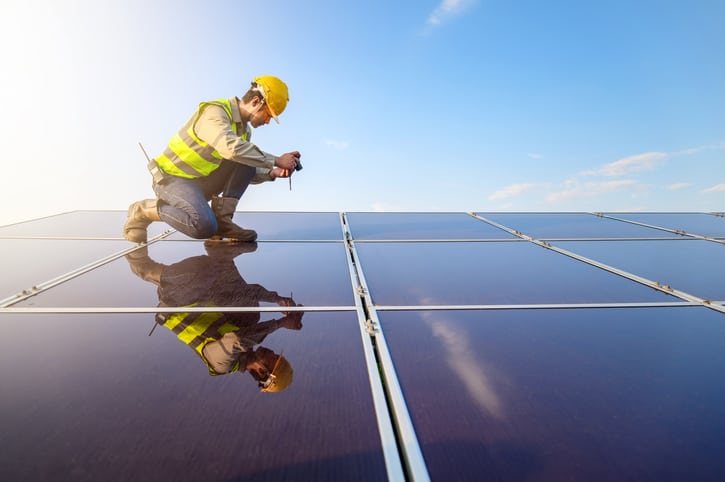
<point x="298" y="167"/>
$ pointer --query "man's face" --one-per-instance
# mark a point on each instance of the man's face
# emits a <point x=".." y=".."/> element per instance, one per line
<point x="262" y="364"/>
<point x="259" y="114"/>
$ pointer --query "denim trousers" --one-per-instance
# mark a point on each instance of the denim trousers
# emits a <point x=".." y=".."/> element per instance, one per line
<point x="184" y="203"/>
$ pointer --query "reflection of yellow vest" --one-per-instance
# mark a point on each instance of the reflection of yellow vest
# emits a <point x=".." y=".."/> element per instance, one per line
<point x="187" y="155"/>
<point x="198" y="329"/>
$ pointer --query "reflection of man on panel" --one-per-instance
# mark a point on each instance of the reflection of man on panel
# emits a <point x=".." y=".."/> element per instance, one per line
<point x="224" y="341"/>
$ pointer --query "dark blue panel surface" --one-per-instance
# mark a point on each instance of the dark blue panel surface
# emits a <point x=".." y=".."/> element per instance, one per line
<point x="175" y="273"/>
<point x="94" y="398"/>
<point x="571" y="225"/>
<point x="29" y="262"/>
<point x="288" y="226"/>
<point x="388" y="226"/>
<point x="590" y="395"/>
<point x="693" y="223"/>
<point x="692" y="266"/>
<point x="488" y="273"/>
<point x="78" y="224"/>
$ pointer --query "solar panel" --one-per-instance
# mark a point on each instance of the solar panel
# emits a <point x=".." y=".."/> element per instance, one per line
<point x="314" y="273"/>
<point x="489" y="273"/>
<point x="692" y="266"/>
<point x="93" y="397"/>
<point x="427" y="226"/>
<point x="596" y="394"/>
<point x="431" y="346"/>
<point x="573" y="225"/>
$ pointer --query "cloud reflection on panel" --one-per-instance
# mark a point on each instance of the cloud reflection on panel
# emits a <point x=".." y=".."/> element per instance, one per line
<point x="225" y="342"/>
<point x="475" y="376"/>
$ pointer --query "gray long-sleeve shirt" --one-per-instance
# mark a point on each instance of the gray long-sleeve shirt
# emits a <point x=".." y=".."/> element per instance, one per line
<point x="214" y="127"/>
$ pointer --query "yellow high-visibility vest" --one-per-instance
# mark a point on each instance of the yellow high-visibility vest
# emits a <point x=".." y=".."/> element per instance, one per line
<point x="187" y="155"/>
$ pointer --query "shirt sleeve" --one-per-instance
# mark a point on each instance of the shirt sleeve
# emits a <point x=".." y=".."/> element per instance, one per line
<point x="215" y="128"/>
<point x="262" y="175"/>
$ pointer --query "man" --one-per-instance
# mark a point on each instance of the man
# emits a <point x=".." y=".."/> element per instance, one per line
<point x="212" y="159"/>
<point x="225" y="342"/>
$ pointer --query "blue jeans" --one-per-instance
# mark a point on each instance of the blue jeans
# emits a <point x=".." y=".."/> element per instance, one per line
<point x="184" y="203"/>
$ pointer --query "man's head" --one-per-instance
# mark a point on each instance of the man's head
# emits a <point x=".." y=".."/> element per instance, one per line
<point x="266" y="99"/>
<point x="272" y="372"/>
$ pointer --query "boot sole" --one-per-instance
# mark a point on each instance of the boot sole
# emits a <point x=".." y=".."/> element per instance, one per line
<point x="221" y="240"/>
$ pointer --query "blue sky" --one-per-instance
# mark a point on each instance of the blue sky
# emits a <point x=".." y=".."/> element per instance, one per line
<point x="453" y="105"/>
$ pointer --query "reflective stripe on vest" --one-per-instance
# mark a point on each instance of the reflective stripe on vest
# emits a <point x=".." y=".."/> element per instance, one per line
<point x="199" y="329"/>
<point x="187" y="155"/>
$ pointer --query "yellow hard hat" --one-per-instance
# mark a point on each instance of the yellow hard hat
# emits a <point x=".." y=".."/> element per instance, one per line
<point x="280" y="378"/>
<point x="274" y="92"/>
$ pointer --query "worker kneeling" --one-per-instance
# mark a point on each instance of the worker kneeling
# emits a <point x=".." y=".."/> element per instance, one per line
<point x="212" y="158"/>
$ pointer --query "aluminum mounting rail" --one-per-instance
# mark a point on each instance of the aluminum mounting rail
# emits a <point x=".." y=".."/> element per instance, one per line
<point x="675" y="231"/>
<point x="409" y="448"/>
<point x="391" y="450"/>
<point x="40" y="287"/>
<point x="652" y="284"/>
<point x="173" y="309"/>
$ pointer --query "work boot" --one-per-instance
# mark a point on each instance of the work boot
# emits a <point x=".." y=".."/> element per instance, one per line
<point x="143" y="266"/>
<point x="224" y="208"/>
<point x="140" y="215"/>
<point x="228" y="251"/>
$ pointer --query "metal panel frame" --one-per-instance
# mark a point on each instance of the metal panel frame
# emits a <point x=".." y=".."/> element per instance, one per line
<point x="674" y="231"/>
<point x="408" y="441"/>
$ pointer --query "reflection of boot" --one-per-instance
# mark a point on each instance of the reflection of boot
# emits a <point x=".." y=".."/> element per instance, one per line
<point x="224" y="208"/>
<point x="229" y="251"/>
<point x="140" y="215"/>
<point x="143" y="266"/>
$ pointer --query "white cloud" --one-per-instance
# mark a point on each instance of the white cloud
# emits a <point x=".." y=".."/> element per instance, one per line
<point x="378" y="207"/>
<point x="463" y="361"/>
<point x="513" y="190"/>
<point x="640" y="162"/>
<point x="383" y="207"/>
<point x="448" y="9"/>
<point x="618" y="177"/>
<point x="575" y="190"/>
<point x="335" y="144"/>
<point x="715" y="188"/>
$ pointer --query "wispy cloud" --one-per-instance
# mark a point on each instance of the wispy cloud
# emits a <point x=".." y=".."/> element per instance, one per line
<point x="645" y="161"/>
<point x="335" y="144"/>
<point x="448" y="9"/>
<point x="577" y="190"/>
<point x="382" y="207"/>
<point x="378" y="207"/>
<point x="534" y="155"/>
<point x="619" y="177"/>
<point x="463" y="361"/>
<point x="627" y="165"/>
<point x="513" y="190"/>
<point x="715" y="188"/>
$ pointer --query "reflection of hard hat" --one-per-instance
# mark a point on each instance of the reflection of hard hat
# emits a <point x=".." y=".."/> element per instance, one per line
<point x="274" y="92"/>
<point x="280" y="378"/>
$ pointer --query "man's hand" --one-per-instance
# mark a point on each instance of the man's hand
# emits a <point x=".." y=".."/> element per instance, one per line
<point x="292" y="321"/>
<point x="288" y="161"/>
<point x="278" y="172"/>
<point x="285" y="301"/>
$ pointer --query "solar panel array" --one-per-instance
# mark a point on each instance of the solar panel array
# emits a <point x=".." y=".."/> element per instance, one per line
<point x="424" y="346"/>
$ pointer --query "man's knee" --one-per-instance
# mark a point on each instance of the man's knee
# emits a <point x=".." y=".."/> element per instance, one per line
<point x="193" y="225"/>
<point x="202" y="228"/>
